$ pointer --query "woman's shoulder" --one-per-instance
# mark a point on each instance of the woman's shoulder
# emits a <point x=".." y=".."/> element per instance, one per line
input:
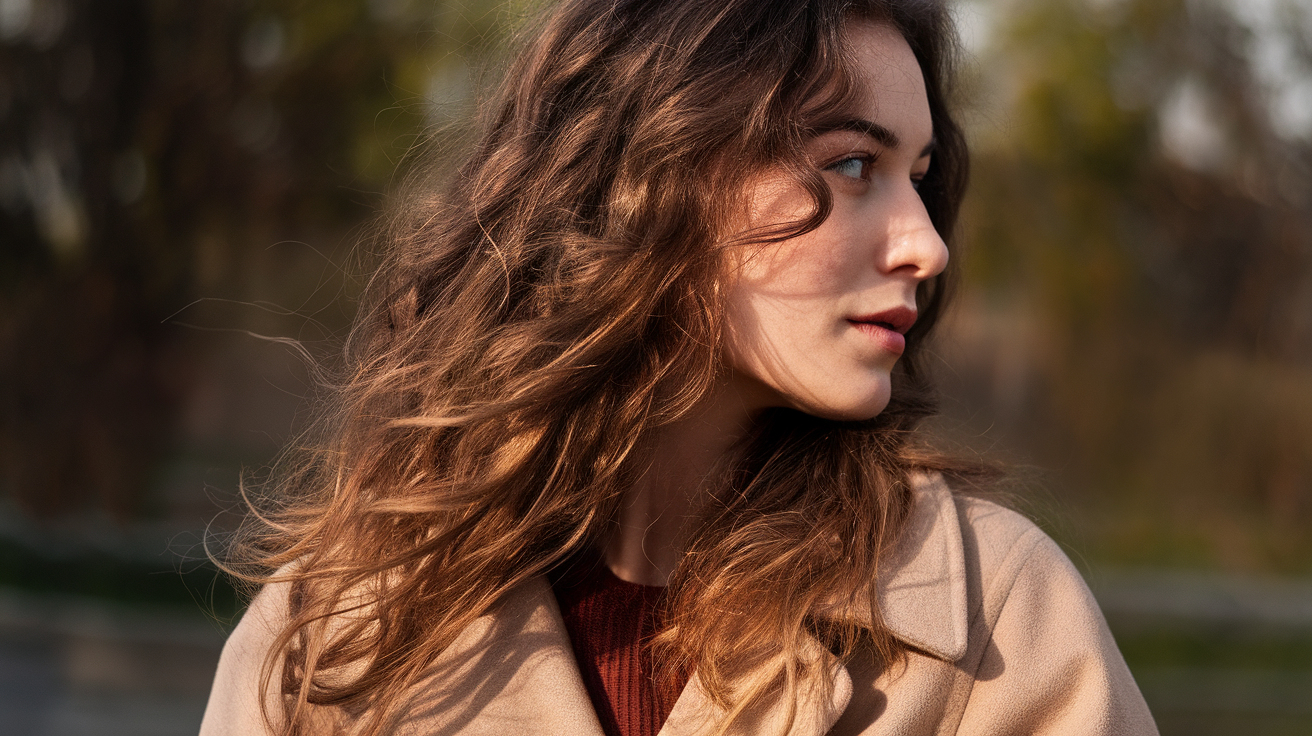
<point x="960" y="556"/>
<point x="997" y="541"/>
<point x="1003" y="550"/>
<point x="983" y="519"/>
<point x="252" y="656"/>
<point x="234" y="705"/>
<point x="987" y="536"/>
<point x="1012" y="634"/>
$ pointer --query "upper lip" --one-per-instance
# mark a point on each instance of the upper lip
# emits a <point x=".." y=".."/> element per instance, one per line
<point x="898" y="319"/>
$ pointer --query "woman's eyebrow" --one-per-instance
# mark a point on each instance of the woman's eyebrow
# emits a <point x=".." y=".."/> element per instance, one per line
<point x="882" y="135"/>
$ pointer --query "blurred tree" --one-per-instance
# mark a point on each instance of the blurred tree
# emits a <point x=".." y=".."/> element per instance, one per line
<point x="151" y="152"/>
<point x="1139" y="311"/>
<point x="1143" y="216"/>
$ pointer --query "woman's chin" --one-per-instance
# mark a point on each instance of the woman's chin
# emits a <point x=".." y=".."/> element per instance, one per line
<point x="855" y="407"/>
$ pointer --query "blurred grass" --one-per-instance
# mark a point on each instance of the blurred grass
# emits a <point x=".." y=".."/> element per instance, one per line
<point x="194" y="588"/>
<point x="1223" y="647"/>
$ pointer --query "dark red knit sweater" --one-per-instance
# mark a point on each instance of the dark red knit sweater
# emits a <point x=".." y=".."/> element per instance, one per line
<point x="609" y="621"/>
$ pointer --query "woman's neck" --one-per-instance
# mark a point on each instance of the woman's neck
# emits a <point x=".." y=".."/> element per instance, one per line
<point x="656" y="514"/>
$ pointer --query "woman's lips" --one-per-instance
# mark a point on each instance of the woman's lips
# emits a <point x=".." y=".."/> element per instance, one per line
<point x="887" y="327"/>
<point x="885" y="337"/>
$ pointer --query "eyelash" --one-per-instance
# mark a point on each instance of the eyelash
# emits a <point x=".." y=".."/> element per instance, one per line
<point x="866" y="161"/>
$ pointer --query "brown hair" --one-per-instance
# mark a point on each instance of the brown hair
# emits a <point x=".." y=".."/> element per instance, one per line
<point x="534" y="324"/>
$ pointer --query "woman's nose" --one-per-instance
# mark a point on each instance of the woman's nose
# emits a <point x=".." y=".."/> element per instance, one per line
<point x="914" y="246"/>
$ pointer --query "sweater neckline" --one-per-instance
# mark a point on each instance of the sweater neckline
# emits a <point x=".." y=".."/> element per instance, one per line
<point x="588" y="568"/>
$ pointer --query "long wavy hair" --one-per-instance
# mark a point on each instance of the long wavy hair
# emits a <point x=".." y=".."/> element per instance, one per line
<point x="538" y="318"/>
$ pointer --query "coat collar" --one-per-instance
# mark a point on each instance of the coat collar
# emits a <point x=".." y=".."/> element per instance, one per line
<point x="515" y="671"/>
<point x="922" y="588"/>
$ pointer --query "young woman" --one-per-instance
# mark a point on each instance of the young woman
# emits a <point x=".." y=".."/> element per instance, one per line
<point x="626" y="442"/>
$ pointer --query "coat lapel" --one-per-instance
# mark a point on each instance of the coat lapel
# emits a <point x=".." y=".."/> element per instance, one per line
<point x="513" y="672"/>
<point x="816" y="713"/>
<point x="922" y="596"/>
<point x="922" y="587"/>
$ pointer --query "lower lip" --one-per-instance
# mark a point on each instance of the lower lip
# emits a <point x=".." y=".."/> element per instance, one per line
<point x="887" y="339"/>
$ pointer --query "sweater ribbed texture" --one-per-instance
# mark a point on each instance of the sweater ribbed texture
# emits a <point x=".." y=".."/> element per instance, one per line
<point x="609" y="621"/>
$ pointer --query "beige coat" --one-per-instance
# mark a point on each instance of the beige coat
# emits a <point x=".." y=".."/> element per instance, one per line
<point x="1005" y="638"/>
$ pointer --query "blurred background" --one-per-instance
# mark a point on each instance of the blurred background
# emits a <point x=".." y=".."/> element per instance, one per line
<point x="181" y="177"/>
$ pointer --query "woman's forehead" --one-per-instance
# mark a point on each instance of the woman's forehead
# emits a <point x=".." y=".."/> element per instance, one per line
<point x="888" y="85"/>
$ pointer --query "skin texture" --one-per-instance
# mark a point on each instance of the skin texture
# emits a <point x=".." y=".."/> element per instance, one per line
<point x="795" y="338"/>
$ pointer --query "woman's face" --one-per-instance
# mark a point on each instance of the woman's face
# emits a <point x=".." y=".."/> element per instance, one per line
<point x="816" y="322"/>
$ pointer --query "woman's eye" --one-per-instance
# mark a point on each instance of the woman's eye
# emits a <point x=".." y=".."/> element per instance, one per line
<point x="853" y="166"/>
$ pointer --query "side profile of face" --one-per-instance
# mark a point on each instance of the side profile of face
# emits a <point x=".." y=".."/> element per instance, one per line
<point x="816" y="323"/>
